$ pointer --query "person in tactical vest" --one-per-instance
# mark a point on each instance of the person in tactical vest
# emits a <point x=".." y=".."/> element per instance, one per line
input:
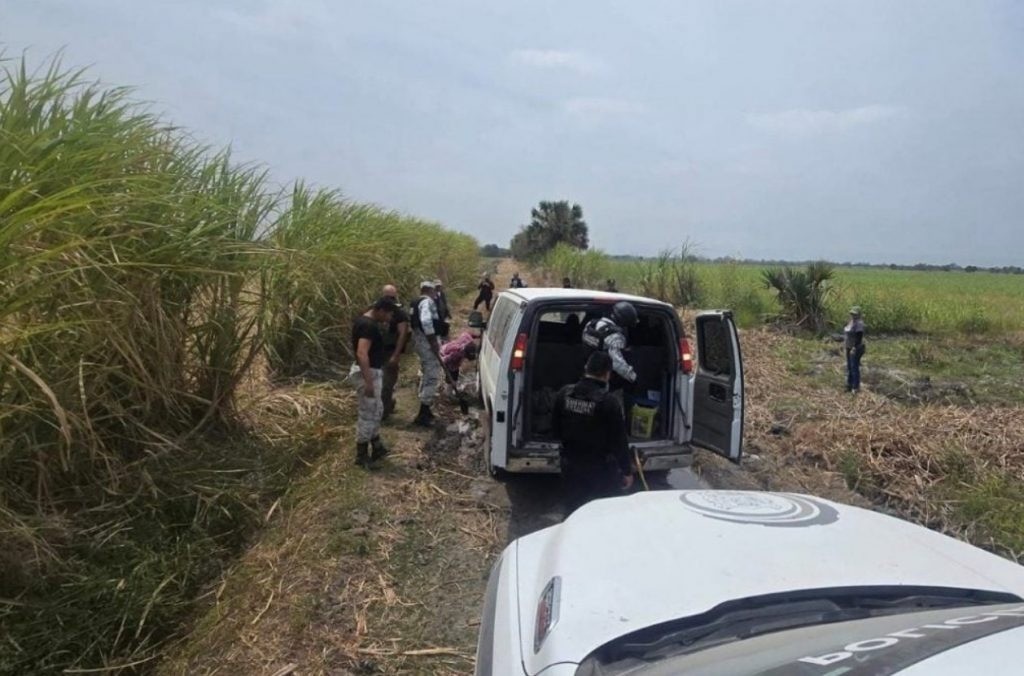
<point x="589" y="422"/>
<point x="425" y="323"/>
<point x="608" y="334"/>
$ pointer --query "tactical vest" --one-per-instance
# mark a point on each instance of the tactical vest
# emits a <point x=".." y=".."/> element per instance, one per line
<point x="417" y="324"/>
<point x="597" y="331"/>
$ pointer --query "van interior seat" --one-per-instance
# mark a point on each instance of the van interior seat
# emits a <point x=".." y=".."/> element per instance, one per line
<point x="557" y="364"/>
<point x="651" y="364"/>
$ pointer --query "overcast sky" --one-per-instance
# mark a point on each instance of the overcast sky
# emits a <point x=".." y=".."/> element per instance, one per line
<point x="864" y="130"/>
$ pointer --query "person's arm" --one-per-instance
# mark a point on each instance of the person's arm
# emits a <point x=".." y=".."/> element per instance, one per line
<point x="363" y="359"/>
<point x="403" y="339"/>
<point x="615" y="343"/>
<point x="428" y="313"/>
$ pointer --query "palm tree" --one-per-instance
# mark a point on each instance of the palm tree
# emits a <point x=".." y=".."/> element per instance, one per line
<point x="551" y="223"/>
<point x="558" y="222"/>
<point x="802" y="294"/>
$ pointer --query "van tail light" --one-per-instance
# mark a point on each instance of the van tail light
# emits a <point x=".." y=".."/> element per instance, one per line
<point x="519" y="352"/>
<point x="685" y="356"/>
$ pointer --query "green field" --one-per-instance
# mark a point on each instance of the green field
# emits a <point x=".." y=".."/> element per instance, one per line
<point x="893" y="301"/>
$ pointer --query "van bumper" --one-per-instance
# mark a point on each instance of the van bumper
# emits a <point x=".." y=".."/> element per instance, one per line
<point x="659" y="458"/>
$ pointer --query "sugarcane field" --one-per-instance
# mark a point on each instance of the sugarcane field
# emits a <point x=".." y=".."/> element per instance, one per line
<point x="562" y="340"/>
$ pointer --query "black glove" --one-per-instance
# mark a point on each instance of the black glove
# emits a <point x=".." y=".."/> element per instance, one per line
<point x="636" y="389"/>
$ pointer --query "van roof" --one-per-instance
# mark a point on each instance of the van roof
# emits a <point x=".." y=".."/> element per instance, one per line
<point x="555" y="293"/>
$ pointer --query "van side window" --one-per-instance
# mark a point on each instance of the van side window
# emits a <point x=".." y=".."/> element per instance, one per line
<point x="715" y="348"/>
<point x="497" y="325"/>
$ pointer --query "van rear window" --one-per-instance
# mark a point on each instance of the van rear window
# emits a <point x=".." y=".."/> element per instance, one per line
<point x="714" y="347"/>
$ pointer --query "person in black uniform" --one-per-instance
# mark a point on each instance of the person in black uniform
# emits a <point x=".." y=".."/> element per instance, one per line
<point x="444" y="312"/>
<point x="589" y="422"/>
<point x="396" y="337"/>
<point x="486" y="288"/>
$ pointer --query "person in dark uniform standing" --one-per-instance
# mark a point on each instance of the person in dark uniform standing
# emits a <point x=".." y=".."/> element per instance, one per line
<point x="486" y="288"/>
<point x="396" y="337"/>
<point x="368" y="346"/>
<point x="444" y="313"/>
<point x="589" y="422"/>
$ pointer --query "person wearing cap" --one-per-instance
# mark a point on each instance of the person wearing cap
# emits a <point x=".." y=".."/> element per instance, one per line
<point x="425" y="321"/>
<point x="517" y="282"/>
<point x="853" y="334"/>
<point x="589" y="423"/>
<point x="396" y="337"/>
<point x="368" y="346"/>
<point x="444" y="312"/>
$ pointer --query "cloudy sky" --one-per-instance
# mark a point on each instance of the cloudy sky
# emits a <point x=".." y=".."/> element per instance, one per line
<point x="862" y="130"/>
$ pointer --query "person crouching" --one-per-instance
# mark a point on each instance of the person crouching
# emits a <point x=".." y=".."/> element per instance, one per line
<point x="453" y="353"/>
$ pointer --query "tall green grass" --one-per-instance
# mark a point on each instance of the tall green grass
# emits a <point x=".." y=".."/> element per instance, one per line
<point x="142" y="277"/>
<point x="587" y="269"/>
<point x="893" y="301"/>
<point x="331" y="258"/>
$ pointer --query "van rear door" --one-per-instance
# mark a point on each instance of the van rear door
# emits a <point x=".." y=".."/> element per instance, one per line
<point x="718" y="386"/>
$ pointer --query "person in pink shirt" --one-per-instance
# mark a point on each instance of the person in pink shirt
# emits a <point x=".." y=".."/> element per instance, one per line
<point x="453" y="352"/>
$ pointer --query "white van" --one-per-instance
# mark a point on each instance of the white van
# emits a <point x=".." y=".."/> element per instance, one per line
<point x="532" y="346"/>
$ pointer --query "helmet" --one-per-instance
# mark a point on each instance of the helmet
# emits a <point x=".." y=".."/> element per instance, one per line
<point x="624" y="314"/>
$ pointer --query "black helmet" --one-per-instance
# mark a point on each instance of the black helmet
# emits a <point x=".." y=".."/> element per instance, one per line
<point x="624" y="314"/>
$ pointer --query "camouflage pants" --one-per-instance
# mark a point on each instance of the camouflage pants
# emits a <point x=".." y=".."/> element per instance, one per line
<point x="370" y="409"/>
<point x="430" y="366"/>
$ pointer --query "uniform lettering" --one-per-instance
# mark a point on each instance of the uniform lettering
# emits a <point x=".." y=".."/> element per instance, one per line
<point x="580" y="406"/>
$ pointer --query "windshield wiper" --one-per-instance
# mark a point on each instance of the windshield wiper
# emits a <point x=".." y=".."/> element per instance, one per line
<point x="746" y="618"/>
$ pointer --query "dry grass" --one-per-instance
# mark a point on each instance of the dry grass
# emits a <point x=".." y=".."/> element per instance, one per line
<point x="923" y="461"/>
<point x="356" y="572"/>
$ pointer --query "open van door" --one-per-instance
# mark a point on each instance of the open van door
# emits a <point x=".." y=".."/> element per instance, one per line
<point x="718" y="386"/>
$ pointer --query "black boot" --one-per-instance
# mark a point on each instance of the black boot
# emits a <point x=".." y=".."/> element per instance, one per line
<point x="425" y="417"/>
<point x="379" y="449"/>
<point x="363" y="454"/>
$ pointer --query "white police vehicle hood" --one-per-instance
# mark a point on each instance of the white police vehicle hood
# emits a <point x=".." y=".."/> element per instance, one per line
<point x="632" y="562"/>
